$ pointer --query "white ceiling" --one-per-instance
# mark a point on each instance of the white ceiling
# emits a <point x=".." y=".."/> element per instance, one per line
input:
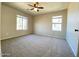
<point x="48" y="6"/>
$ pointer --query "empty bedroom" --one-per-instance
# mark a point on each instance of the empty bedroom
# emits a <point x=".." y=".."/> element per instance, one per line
<point x="39" y="29"/>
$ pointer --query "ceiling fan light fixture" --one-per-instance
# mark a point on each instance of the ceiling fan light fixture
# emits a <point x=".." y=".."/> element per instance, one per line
<point x="35" y="9"/>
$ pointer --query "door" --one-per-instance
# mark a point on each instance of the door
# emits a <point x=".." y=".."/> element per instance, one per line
<point x="73" y="27"/>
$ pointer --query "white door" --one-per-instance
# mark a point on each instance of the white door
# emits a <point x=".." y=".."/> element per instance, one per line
<point x="73" y="27"/>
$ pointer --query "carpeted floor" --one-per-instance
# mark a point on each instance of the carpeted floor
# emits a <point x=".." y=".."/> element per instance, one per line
<point x="35" y="46"/>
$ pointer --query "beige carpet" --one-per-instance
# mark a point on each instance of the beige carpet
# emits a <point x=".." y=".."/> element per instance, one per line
<point x="35" y="46"/>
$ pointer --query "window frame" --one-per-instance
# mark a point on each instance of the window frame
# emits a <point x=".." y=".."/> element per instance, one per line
<point x="56" y="23"/>
<point x="22" y="19"/>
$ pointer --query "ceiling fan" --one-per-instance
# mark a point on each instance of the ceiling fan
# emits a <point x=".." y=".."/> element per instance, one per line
<point x="35" y="6"/>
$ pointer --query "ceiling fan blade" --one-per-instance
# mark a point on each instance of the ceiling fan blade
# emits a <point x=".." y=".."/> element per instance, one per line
<point x="32" y="9"/>
<point x="30" y="5"/>
<point x="34" y="5"/>
<point x="38" y="10"/>
<point x="40" y="7"/>
<point x="37" y="2"/>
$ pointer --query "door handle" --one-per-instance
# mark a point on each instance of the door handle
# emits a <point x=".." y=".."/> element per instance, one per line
<point x="76" y="30"/>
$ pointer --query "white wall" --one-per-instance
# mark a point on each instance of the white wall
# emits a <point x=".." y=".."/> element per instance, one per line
<point x="43" y="24"/>
<point x="0" y="28"/>
<point x="8" y="16"/>
<point x="72" y="24"/>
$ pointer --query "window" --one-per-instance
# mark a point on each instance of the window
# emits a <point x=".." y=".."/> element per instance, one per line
<point x="21" y="22"/>
<point x="57" y="23"/>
